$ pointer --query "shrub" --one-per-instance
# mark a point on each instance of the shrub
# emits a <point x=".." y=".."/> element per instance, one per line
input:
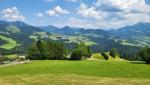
<point x="97" y="56"/>
<point x="105" y="55"/>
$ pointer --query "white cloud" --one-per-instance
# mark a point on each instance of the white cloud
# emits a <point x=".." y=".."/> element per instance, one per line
<point x="91" y="12"/>
<point x="50" y="12"/>
<point x="39" y="14"/>
<point x="56" y="11"/>
<point x="110" y="14"/>
<point x="59" y="10"/>
<point x="106" y="14"/>
<point x="12" y="14"/>
<point x="124" y="5"/>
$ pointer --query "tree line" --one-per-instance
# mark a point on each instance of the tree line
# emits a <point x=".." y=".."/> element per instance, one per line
<point x="50" y="50"/>
<point x="43" y="50"/>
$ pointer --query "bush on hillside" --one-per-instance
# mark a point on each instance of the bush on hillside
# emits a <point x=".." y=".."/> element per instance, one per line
<point x="105" y="55"/>
<point x="97" y="56"/>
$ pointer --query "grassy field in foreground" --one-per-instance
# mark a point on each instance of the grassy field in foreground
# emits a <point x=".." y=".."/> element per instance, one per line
<point x="11" y="43"/>
<point x="76" y="72"/>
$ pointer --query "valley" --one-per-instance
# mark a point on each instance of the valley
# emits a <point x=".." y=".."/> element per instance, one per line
<point x="99" y="64"/>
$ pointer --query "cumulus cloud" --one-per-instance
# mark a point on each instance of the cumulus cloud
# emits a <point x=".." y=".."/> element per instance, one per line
<point x="59" y="10"/>
<point x="114" y="13"/>
<point x="123" y="5"/>
<point x="56" y="11"/>
<point x="91" y="12"/>
<point x="12" y="14"/>
<point x="39" y="14"/>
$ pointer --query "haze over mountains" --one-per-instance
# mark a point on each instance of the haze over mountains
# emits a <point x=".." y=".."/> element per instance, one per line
<point x="127" y="39"/>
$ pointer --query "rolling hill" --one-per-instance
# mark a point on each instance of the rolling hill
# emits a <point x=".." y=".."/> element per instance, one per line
<point x="137" y="35"/>
<point x="16" y="35"/>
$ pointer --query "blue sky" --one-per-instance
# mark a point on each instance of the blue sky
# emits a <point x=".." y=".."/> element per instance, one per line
<point x="94" y="14"/>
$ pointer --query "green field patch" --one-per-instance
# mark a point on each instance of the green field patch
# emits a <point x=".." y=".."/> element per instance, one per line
<point x="10" y="43"/>
<point x="125" y="42"/>
<point x="13" y="29"/>
<point x="12" y="56"/>
<point x="72" y="39"/>
<point x="34" y="37"/>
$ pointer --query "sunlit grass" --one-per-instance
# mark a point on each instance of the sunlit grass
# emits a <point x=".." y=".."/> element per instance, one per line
<point x="10" y="43"/>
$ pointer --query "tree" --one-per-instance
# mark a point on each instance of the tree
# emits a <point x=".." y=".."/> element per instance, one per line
<point x="81" y="51"/>
<point x="41" y="46"/>
<point x="114" y="52"/>
<point x="145" y="54"/>
<point x="76" y="55"/>
<point x="57" y="51"/>
<point x="85" y="50"/>
<point x="33" y="53"/>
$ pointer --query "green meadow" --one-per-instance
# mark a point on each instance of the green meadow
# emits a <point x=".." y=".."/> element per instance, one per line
<point x="10" y="43"/>
<point x="87" y="72"/>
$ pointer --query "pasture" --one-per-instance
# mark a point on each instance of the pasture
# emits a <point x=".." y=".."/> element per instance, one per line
<point x="93" y="72"/>
<point x="10" y="43"/>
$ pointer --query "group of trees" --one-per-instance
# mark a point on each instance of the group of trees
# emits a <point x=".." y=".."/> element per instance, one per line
<point x="43" y="50"/>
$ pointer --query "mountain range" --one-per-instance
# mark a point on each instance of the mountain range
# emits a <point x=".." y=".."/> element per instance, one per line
<point x="127" y="39"/>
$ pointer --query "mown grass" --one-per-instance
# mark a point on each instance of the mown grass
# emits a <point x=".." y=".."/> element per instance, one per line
<point x="89" y="68"/>
<point x="69" y="79"/>
<point x="10" y="43"/>
<point x="54" y="72"/>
